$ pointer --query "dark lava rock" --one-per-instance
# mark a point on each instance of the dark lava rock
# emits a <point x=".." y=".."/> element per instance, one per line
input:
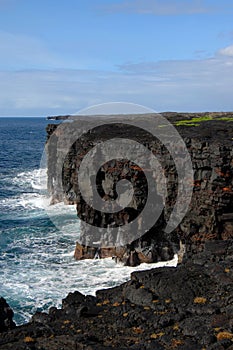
<point x="208" y="138"/>
<point x="184" y="308"/>
<point x="6" y="316"/>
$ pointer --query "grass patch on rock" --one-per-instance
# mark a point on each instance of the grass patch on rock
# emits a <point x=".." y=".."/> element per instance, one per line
<point x="195" y="121"/>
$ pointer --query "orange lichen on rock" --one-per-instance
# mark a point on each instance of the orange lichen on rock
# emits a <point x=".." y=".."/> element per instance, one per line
<point x="157" y="335"/>
<point x="176" y="342"/>
<point x="224" y="335"/>
<point x="66" y="322"/>
<point x="116" y="304"/>
<point x="176" y="327"/>
<point x="199" y="300"/>
<point x="137" y="330"/>
<point x="146" y="308"/>
<point x="29" y="340"/>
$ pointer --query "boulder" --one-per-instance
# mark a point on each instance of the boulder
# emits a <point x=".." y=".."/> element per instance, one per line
<point x="6" y="316"/>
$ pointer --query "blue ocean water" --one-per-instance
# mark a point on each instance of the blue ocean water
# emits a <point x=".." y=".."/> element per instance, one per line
<point x="37" y="268"/>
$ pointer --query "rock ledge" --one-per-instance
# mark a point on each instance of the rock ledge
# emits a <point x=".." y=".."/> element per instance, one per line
<point x="185" y="308"/>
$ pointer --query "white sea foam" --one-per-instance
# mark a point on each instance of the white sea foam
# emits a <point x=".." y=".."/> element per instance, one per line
<point x="37" y="264"/>
<point x="26" y="185"/>
<point x="25" y="201"/>
<point x="35" y="179"/>
<point x="43" y="285"/>
<point x="32" y="182"/>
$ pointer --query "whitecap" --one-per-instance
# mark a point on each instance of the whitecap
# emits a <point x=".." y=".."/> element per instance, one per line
<point x="36" y="179"/>
<point x="37" y="264"/>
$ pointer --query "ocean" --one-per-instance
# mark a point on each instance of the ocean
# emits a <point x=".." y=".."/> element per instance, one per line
<point x="37" y="268"/>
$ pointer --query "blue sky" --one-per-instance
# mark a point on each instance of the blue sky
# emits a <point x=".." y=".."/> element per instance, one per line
<point x="57" y="57"/>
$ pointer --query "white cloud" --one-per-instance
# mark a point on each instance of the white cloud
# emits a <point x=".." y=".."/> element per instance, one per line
<point x="178" y="85"/>
<point x="226" y="51"/>
<point x="46" y="92"/>
<point x="199" y="85"/>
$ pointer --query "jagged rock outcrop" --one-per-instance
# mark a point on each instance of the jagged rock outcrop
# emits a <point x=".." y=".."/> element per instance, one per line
<point x="186" y="308"/>
<point x="210" y="215"/>
<point x="6" y="316"/>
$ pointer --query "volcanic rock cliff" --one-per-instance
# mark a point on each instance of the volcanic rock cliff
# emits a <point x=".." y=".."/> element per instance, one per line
<point x="186" y="308"/>
<point x="208" y="138"/>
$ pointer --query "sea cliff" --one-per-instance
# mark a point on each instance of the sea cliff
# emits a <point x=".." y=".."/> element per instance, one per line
<point x="208" y="138"/>
<point x="186" y="308"/>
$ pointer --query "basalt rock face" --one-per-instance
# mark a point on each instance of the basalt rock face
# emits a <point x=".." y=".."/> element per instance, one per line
<point x="210" y="213"/>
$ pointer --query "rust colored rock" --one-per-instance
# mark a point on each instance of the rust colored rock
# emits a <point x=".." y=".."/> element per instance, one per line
<point x="113" y="252"/>
<point x="145" y="258"/>
<point x="84" y="252"/>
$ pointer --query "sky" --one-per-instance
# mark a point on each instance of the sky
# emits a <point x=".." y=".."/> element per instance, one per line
<point x="58" y="57"/>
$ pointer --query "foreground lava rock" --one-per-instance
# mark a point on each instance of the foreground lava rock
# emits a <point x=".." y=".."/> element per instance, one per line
<point x="6" y="316"/>
<point x="184" y="308"/>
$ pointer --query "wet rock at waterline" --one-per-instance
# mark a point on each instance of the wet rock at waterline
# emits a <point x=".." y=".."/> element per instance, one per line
<point x="6" y="316"/>
<point x="187" y="307"/>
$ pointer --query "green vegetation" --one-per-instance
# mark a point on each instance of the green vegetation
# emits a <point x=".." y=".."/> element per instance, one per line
<point x="228" y="119"/>
<point x="195" y="121"/>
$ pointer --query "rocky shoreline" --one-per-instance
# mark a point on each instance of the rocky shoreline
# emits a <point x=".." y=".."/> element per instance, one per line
<point x="186" y="308"/>
<point x="189" y="307"/>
